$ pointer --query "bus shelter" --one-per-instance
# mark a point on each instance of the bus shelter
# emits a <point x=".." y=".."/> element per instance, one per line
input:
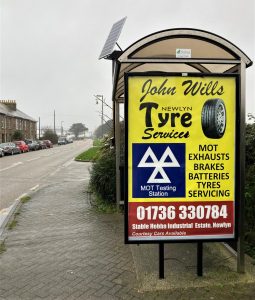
<point x="183" y="51"/>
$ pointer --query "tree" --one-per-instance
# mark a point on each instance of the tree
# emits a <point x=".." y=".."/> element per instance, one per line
<point x="49" y="134"/>
<point x="17" y="135"/>
<point x="250" y="144"/>
<point x="104" y="129"/>
<point x="77" y="129"/>
<point x="251" y="117"/>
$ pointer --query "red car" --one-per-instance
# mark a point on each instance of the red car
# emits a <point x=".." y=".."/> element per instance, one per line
<point x="48" y="143"/>
<point x="22" y="145"/>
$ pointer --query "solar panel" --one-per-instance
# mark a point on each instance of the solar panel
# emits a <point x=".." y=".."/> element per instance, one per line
<point x="112" y="38"/>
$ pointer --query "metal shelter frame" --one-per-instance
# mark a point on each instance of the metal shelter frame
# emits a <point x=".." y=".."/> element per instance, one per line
<point x="210" y="53"/>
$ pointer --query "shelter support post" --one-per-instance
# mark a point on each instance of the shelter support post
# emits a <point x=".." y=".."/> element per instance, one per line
<point x="117" y="152"/>
<point x="200" y="259"/>
<point x="161" y="261"/>
<point x="240" y="241"/>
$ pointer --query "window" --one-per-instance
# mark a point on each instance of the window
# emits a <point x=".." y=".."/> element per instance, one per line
<point x="2" y="121"/>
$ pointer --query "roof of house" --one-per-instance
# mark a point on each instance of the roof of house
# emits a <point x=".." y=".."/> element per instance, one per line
<point x="4" y="109"/>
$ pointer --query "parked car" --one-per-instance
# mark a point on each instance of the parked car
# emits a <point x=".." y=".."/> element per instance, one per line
<point x="10" y="148"/>
<point x="69" y="139"/>
<point x="1" y="152"/>
<point x="27" y="141"/>
<point x="32" y="145"/>
<point x="62" y="140"/>
<point x="41" y="145"/>
<point x="22" y="145"/>
<point x="48" y="143"/>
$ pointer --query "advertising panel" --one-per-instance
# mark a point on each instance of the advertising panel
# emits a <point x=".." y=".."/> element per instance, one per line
<point x="180" y="157"/>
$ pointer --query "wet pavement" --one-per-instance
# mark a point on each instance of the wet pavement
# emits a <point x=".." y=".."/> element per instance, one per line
<point x="62" y="248"/>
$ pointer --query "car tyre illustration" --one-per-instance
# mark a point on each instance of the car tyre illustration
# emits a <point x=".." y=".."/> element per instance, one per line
<point x="214" y="118"/>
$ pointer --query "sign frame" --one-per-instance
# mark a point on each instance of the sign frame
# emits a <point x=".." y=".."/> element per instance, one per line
<point x="236" y="202"/>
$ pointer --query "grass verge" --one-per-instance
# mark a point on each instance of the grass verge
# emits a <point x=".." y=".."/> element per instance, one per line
<point x="97" y="143"/>
<point x="25" y="199"/>
<point x="2" y="247"/>
<point x="88" y="155"/>
<point x="12" y="224"/>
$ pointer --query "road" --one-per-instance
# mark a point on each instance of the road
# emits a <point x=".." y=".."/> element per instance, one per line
<point x="29" y="171"/>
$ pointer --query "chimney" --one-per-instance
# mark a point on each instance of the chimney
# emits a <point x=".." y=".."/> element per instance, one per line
<point x="11" y="104"/>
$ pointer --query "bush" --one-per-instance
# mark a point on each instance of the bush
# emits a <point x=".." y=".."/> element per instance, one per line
<point x="17" y="135"/>
<point x="250" y="190"/>
<point x="250" y="198"/>
<point x="105" y="129"/>
<point x="103" y="174"/>
<point x="102" y="180"/>
<point x="50" y="135"/>
<point x="250" y="178"/>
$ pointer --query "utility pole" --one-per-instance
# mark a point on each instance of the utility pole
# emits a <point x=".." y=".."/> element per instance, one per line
<point x="62" y="130"/>
<point x="54" y="123"/>
<point x="101" y="98"/>
<point x="5" y="134"/>
<point x="39" y="128"/>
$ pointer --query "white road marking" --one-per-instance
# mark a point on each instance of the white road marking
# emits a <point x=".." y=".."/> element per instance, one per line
<point x="54" y="172"/>
<point x="12" y="166"/>
<point x="68" y="163"/>
<point x="34" y="158"/>
<point x="34" y="187"/>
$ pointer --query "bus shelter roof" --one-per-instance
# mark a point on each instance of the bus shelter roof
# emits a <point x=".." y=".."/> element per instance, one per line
<point x="208" y="53"/>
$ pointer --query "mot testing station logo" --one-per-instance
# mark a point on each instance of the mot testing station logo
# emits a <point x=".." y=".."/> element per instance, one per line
<point x="158" y="170"/>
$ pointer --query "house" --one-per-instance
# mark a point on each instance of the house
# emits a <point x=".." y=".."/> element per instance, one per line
<point x="12" y="119"/>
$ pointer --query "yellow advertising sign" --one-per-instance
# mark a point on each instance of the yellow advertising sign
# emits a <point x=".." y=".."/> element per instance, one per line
<point x="181" y="149"/>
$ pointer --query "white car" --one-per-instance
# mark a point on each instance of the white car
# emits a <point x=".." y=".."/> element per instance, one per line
<point x="62" y="141"/>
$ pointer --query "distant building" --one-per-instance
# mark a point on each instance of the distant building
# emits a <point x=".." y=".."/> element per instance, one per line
<point x="12" y="119"/>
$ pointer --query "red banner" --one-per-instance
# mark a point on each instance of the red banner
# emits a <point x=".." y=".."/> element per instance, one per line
<point x="179" y="220"/>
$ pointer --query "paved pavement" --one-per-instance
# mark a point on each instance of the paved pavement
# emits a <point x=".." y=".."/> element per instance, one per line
<point x="61" y="248"/>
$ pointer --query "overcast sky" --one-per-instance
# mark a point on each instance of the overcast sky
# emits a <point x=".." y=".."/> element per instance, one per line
<point x="49" y="48"/>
